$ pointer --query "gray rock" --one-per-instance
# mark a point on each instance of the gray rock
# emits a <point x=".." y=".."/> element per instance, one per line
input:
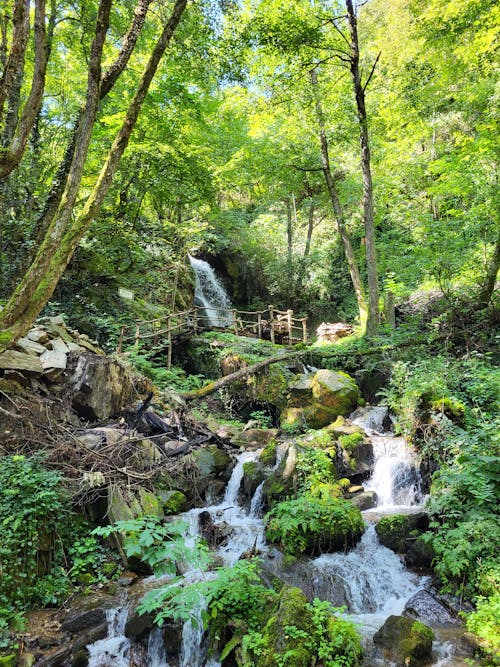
<point x="30" y="346"/>
<point x="58" y="320"/>
<point x="97" y="386"/>
<point x="427" y="607"/>
<point x="53" y="359"/>
<point x="365" y="500"/>
<point x="58" y="345"/>
<point x="81" y="619"/>
<point x="38" y="336"/>
<point x="20" y="361"/>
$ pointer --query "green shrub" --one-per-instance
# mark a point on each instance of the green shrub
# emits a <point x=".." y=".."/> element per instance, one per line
<point x="309" y="524"/>
<point x="485" y="624"/>
<point x="45" y="548"/>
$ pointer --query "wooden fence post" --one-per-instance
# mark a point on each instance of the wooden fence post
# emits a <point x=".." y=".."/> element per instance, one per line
<point x="259" y="324"/>
<point x="304" y="329"/>
<point x="235" y="320"/>
<point x="195" y="320"/>
<point x="137" y="336"/>
<point x="169" y="343"/>
<point x="271" y="321"/>
<point x="289" y="319"/>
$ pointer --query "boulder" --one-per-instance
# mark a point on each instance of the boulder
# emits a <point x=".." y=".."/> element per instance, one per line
<point x="173" y="502"/>
<point x="256" y="438"/>
<point x="38" y="335"/>
<point x="405" y="641"/>
<point x="253" y="475"/>
<point x="316" y="401"/>
<point x="399" y="531"/>
<point x="426" y="606"/>
<point x="329" y="332"/>
<point x="365" y="500"/>
<point x="97" y="386"/>
<point x="212" y="461"/>
<point x="290" y="611"/>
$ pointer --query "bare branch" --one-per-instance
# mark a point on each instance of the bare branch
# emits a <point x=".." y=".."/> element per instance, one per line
<point x="372" y="71"/>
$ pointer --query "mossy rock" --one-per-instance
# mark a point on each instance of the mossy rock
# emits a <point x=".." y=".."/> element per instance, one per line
<point x="268" y="456"/>
<point x="399" y="531"/>
<point x="173" y="502"/>
<point x="318" y="401"/>
<point x="212" y="461"/>
<point x="279" y="640"/>
<point x="253" y="475"/>
<point x="314" y="525"/>
<point x="406" y="641"/>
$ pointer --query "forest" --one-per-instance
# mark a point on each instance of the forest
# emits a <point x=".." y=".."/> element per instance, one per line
<point x="313" y="482"/>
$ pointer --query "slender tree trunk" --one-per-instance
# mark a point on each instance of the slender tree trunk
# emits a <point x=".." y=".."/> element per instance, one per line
<point x="64" y="234"/>
<point x="491" y="275"/>
<point x="337" y="206"/>
<point x="15" y="58"/>
<point x="373" y="320"/>
<point x="18" y="129"/>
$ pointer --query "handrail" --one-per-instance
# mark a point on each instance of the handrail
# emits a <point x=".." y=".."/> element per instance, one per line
<point x="279" y="324"/>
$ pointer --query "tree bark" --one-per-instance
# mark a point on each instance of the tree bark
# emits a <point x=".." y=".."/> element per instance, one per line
<point x="18" y="129"/>
<point x="491" y="275"/>
<point x="373" y="320"/>
<point x="108" y="81"/>
<point x="337" y="206"/>
<point x="15" y="58"/>
<point x="63" y="234"/>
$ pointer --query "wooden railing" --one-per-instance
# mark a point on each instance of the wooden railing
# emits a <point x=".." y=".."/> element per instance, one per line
<point x="272" y="324"/>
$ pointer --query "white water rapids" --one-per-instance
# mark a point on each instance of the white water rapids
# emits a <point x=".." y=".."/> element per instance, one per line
<point x="371" y="578"/>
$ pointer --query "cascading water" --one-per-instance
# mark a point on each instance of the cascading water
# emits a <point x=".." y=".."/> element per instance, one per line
<point x="370" y="579"/>
<point x="210" y="296"/>
<point x="113" y="650"/>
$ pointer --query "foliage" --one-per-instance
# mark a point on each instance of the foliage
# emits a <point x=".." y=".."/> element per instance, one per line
<point x="312" y="524"/>
<point x="46" y="549"/>
<point x="485" y="624"/>
<point x="156" y="542"/>
<point x="154" y="368"/>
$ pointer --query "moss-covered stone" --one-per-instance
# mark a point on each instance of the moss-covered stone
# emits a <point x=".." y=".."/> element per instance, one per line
<point x="173" y="501"/>
<point x="314" y="524"/>
<point x="253" y="475"/>
<point x="268" y="456"/>
<point x="284" y="634"/>
<point x="317" y="401"/>
<point x="212" y="461"/>
<point x="399" y="531"/>
<point x="8" y="660"/>
<point x="406" y="641"/>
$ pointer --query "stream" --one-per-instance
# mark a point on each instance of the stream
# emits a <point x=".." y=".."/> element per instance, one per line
<point x="370" y="580"/>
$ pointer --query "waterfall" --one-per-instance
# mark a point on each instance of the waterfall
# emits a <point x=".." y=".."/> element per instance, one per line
<point x="113" y="650"/>
<point x="210" y="296"/>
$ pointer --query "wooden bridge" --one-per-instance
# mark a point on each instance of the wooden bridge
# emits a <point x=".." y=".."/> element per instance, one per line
<point x="270" y="324"/>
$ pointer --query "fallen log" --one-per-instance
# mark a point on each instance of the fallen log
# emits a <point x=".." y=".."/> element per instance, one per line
<point x="237" y="375"/>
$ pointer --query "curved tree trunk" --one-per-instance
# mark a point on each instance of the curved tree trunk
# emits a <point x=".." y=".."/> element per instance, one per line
<point x="63" y="234"/>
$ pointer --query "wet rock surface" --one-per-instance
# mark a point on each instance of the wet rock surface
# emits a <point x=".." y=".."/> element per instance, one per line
<point x="405" y="641"/>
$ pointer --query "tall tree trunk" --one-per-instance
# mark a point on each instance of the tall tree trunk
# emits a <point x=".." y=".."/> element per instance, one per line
<point x="17" y="130"/>
<point x="64" y="234"/>
<point x="373" y="320"/>
<point x="491" y="275"/>
<point x="337" y="206"/>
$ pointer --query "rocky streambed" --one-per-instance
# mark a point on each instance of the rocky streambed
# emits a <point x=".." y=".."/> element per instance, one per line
<point x="147" y="455"/>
